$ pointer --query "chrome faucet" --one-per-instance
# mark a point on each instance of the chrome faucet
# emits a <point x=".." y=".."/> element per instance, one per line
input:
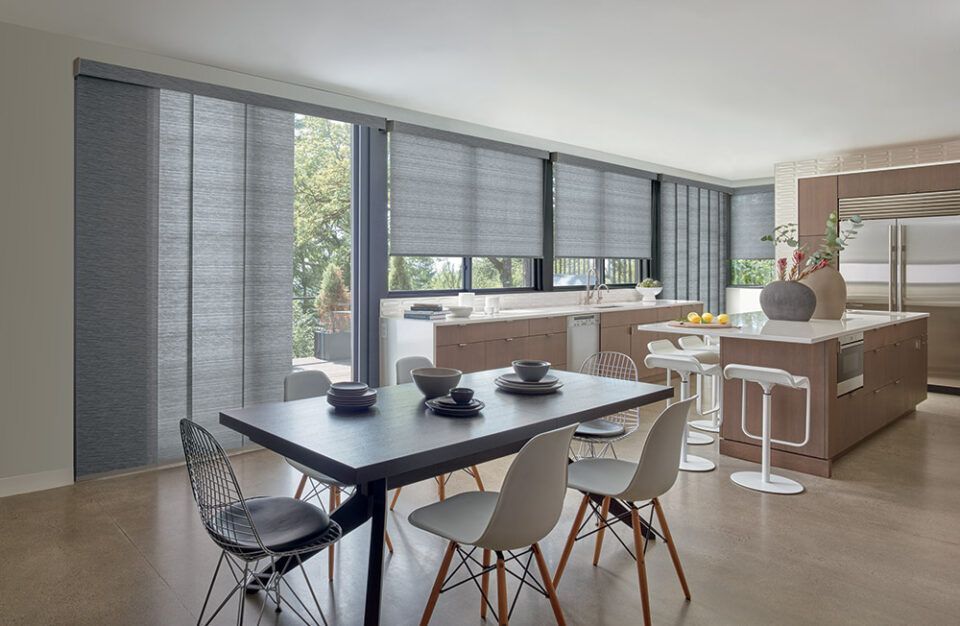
<point x="600" y="293"/>
<point x="596" y="279"/>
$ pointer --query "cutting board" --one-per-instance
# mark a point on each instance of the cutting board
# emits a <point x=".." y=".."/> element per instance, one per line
<point x="692" y="325"/>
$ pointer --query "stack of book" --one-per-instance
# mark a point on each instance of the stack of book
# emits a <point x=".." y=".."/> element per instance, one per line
<point x="425" y="311"/>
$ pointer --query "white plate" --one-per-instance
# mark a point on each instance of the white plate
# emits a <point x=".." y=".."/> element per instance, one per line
<point x="512" y="377"/>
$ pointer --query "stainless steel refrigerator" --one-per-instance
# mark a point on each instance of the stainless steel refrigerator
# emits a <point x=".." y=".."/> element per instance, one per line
<point x="911" y="264"/>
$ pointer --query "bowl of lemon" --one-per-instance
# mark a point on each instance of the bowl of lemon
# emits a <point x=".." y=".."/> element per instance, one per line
<point x="707" y="319"/>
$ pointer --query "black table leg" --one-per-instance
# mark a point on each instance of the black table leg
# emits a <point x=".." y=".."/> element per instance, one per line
<point x="376" y="492"/>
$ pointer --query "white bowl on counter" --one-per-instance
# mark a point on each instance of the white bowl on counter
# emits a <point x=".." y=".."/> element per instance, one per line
<point x="460" y="311"/>
<point x="649" y="293"/>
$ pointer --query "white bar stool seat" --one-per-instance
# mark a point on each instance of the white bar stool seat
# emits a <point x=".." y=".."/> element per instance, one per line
<point x="706" y="357"/>
<point x="767" y="378"/>
<point x="711" y="345"/>
<point x="684" y="365"/>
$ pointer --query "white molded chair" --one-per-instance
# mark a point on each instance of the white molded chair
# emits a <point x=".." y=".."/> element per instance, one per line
<point x="300" y="386"/>
<point x="629" y="483"/>
<point x="404" y="366"/>
<point x="712" y="371"/>
<point x="767" y="378"/>
<point x="606" y="431"/>
<point x="684" y="366"/>
<point x="524" y="511"/>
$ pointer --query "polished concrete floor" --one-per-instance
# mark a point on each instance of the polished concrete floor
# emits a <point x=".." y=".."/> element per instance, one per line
<point x="877" y="544"/>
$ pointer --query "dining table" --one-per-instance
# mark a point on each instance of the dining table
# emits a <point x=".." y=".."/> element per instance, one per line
<point x="400" y="441"/>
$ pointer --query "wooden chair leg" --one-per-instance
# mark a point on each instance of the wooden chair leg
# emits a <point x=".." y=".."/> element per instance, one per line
<point x="438" y="583"/>
<point x="571" y="539"/>
<point x="548" y="585"/>
<point x="604" y="511"/>
<point x="396" y="496"/>
<point x="641" y="566"/>
<point x="303" y="483"/>
<point x="673" y="549"/>
<point x="476" y="477"/>
<point x="484" y="584"/>
<point x="337" y="493"/>
<point x="442" y="487"/>
<point x="502" y="599"/>
<point x="386" y="539"/>
<point x="331" y="548"/>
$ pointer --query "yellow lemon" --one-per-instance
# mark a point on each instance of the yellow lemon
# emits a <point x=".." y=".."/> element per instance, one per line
<point x="693" y="317"/>
<point x="723" y="318"/>
<point x="707" y="317"/>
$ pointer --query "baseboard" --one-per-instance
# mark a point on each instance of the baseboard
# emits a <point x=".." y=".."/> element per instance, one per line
<point x="24" y="483"/>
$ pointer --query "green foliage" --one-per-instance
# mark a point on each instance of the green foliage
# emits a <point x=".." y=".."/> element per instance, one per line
<point x="332" y="298"/>
<point x="650" y="283"/>
<point x="751" y="272"/>
<point x="304" y="323"/>
<point x="420" y="273"/>
<point x="501" y="272"/>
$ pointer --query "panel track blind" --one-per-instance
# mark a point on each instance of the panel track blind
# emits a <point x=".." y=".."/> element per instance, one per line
<point x="450" y="197"/>
<point x="751" y="217"/>
<point x="694" y="245"/>
<point x="600" y="213"/>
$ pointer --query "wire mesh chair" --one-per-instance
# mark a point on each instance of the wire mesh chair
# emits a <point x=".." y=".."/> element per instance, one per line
<point x="277" y="531"/>
<point x="596" y="438"/>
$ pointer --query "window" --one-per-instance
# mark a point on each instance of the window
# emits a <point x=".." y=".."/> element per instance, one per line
<point x="621" y="271"/>
<point x="425" y="273"/>
<point x="569" y="272"/>
<point x="501" y="273"/>
<point x="751" y="272"/>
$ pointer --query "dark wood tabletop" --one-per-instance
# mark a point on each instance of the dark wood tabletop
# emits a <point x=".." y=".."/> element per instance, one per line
<point x="402" y="441"/>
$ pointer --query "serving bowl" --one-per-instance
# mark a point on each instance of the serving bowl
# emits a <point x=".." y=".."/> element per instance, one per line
<point x="434" y="382"/>
<point x="531" y="370"/>
<point x="460" y="311"/>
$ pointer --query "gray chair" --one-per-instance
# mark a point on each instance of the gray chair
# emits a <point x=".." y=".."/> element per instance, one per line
<point x="523" y="512"/>
<point x="404" y="366"/>
<point x="300" y="386"/>
<point x="629" y="483"/>
<point x="274" y="531"/>
<point x="596" y="437"/>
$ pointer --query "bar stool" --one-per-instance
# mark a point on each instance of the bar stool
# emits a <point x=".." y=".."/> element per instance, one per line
<point x="684" y="365"/>
<point x="709" y="344"/>
<point x="767" y="378"/>
<point x="663" y="346"/>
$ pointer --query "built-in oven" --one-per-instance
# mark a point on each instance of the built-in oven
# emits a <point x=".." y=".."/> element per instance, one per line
<point x="850" y="363"/>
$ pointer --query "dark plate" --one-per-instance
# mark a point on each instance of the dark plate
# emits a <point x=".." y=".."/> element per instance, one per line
<point x="512" y="377"/>
<point x="350" y="388"/>
<point x="529" y="391"/>
<point x="350" y="397"/>
<point x="440" y="409"/>
<point x="448" y="401"/>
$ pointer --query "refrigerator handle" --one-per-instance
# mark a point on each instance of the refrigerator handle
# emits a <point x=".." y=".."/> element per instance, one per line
<point x="901" y="266"/>
<point x="892" y="264"/>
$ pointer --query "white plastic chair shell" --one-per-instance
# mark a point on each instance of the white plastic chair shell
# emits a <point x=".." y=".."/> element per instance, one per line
<point x="407" y="364"/>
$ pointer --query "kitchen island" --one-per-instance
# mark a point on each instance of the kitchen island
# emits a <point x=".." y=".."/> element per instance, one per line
<point x="854" y="392"/>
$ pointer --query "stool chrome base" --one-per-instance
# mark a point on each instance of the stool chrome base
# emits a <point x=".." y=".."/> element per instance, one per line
<point x="777" y="484"/>
<point x="696" y="464"/>
<point x="705" y="425"/>
<point x="698" y="439"/>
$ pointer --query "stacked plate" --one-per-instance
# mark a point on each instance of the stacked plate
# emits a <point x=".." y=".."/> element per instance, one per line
<point x="352" y="396"/>
<point x="512" y="383"/>
<point x="445" y="405"/>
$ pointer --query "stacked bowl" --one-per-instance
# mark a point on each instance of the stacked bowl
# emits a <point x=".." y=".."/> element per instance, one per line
<point x="530" y="378"/>
<point x="351" y="396"/>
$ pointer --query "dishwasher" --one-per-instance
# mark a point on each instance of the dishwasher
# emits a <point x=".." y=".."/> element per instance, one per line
<point x="583" y="339"/>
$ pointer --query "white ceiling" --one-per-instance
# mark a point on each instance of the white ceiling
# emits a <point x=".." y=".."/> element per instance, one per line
<point x="722" y="88"/>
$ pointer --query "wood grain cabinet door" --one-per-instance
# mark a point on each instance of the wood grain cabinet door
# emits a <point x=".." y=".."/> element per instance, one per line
<point x="466" y="357"/>
<point x="613" y="339"/>
<point x="503" y="352"/>
<point x="551" y="347"/>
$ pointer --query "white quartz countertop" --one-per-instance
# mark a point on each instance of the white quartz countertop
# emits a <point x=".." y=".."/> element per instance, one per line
<point x="552" y="311"/>
<point x="757" y="326"/>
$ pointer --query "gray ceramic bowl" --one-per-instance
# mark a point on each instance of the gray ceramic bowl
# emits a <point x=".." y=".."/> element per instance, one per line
<point x="434" y="382"/>
<point x="531" y="371"/>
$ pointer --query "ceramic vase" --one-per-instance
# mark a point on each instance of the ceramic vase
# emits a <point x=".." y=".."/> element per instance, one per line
<point x="788" y="300"/>
<point x="831" y="292"/>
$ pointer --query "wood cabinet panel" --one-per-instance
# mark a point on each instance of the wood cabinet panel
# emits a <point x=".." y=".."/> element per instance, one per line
<point x="447" y="335"/>
<point x="627" y="318"/>
<point x="848" y="421"/>
<point x="897" y="181"/>
<point x="686" y="308"/>
<point x="551" y="347"/>
<point x="487" y="331"/>
<point x="503" y="352"/>
<point x="545" y="325"/>
<point x="816" y="199"/>
<point x="614" y="339"/>
<point x="667" y="313"/>
<point x="639" y="339"/>
<point x="467" y="357"/>
<point x="874" y="338"/>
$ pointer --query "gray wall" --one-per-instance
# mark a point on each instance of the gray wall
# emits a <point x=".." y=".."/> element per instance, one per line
<point x="36" y="230"/>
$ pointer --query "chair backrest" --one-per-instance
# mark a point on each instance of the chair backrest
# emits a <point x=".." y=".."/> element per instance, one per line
<point x="223" y="510"/>
<point x="660" y="459"/>
<point x="407" y="364"/>
<point x="531" y="497"/>
<point x="610" y="365"/>
<point x="305" y="384"/>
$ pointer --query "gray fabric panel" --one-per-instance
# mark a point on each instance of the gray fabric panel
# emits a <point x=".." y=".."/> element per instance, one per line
<point x="268" y="310"/>
<point x="173" y="272"/>
<point x="466" y="140"/>
<point x="668" y="242"/>
<point x="558" y="157"/>
<point x="115" y="270"/>
<point x="96" y="69"/>
<point x="219" y="170"/>
<point x="689" y="182"/>
<point x="451" y="199"/>
<point x="601" y="214"/>
<point x="751" y="217"/>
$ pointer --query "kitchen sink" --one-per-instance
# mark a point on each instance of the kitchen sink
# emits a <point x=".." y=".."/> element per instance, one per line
<point x="605" y="306"/>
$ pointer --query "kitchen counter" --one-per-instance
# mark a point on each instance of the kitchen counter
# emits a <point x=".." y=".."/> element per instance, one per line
<point x="757" y="326"/>
<point x="553" y="311"/>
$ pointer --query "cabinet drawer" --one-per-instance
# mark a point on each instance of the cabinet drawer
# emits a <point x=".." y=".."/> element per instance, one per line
<point x="907" y="330"/>
<point x="550" y="347"/>
<point x="503" y="352"/>
<point x="875" y="338"/>
<point x="488" y="331"/>
<point x="686" y="308"/>
<point x="628" y="318"/>
<point x="466" y="357"/>
<point x="613" y="339"/>
<point x="668" y="313"/>
<point x="447" y="335"/>
<point x="546" y="325"/>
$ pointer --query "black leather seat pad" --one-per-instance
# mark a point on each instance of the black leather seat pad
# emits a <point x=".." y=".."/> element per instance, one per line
<point x="282" y="523"/>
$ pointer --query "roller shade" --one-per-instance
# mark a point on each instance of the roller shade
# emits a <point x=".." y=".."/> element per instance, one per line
<point x="751" y="217"/>
<point x="694" y="244"/>
<point x="453" y="195"/>
<point x="601" y="210"/>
